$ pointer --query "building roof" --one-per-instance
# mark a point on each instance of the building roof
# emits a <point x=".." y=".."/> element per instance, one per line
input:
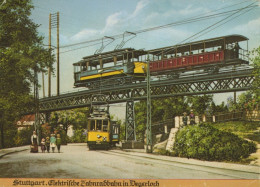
<point x="30" y="117"/>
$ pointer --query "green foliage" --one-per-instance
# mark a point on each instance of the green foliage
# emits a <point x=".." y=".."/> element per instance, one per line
<point x="9" y="139"/>
<point x="23" y="137"/>
<point x="237" y="126"/>
<point x="243" y="129"/>
<point x="218" y="108"/>
<point x="255" y="58"/>
<point x="205" y="142"/>
<point x="162" y="109"/>
<point x="200" y="103"/>
<point x="78" y="137"/>
<point x="22" y="54"/>
<point x="76" y="117"/>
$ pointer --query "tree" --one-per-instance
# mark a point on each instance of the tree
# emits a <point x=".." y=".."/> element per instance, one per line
<point x="218" y="108"/>
<point x="200" y="103"/>
<point x="256" y="84"/>
<point x="162" y="109"/>
<point x="21" y="55"/>
<point x="76" y="117"/>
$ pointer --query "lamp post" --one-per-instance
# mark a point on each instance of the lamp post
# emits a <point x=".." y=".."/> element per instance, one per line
<point x="148" y="120"/>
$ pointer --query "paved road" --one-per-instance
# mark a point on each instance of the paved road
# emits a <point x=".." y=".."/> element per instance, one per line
<point x="76" y="161"/>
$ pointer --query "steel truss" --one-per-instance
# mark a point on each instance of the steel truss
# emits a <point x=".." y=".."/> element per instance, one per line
<point x="219" y="83"/>
<point x="195" y="85"/>
<point x="130" y="122"/>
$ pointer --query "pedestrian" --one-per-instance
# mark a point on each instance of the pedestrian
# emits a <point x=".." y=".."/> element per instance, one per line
<point x="47" y="143"/>
<point x="58" y="142"/>
<point x="185" y="119"/>
<point x="35" y="142"/>
<point x="192" y="118"/>
<point x="43" y="148"/>
<point x="53" y="142"/>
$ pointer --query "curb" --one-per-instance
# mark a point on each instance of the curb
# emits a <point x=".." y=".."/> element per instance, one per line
<point x="220" y="165"/>
<point x="8" y="152"/>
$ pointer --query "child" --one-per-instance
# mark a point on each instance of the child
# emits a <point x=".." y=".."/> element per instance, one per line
<point x="47" y="143"/>
<point x="53" y="142"/>
<point x="185" y="119"/>
<point x="58" y="141"/>
<point x="43" y="145"/>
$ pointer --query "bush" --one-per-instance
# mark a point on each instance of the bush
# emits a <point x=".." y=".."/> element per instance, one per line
<point x="205" y="142"/>
<point x="78" y="137"/>
<point x="23" y="137"/>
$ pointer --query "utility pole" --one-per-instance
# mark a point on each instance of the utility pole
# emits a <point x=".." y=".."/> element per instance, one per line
<point x="49" y="69"/>
<point x="54" y="22"/>
<point x="148" y="124"/>
<point x="58" y="53"/>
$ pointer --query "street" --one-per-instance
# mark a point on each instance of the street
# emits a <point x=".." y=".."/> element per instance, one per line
<point x="76" y="161"/>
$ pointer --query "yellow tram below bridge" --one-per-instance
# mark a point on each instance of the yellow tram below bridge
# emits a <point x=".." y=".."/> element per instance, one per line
<point x="103" y="133"/>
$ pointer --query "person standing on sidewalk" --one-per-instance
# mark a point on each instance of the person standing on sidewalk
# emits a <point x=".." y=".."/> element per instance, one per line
<point x="48" y="143"/>
<point x="43" y="148"/>
<point x="35" y="142"/>
<point x="58" y="142"/>
<point x="53" y="142"/>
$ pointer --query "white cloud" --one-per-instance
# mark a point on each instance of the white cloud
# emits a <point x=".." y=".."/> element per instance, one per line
<point x="191" y="10"/>
<point x="112" y="21"/>
<point x="84" y="34"/>
<point x="140" y="5"/>
<point x="252" y="27"/>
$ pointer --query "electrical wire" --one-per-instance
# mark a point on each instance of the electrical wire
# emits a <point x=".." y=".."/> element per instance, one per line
<point x="200" y="33"/>
<point x="185" y="21"/>
<point x="205" y="29"/>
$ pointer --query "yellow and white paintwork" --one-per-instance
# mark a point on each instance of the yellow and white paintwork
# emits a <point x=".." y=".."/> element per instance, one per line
<point x="140" y="67"/>
<point x="111" y="73"/>
<point x="92" y="136"/>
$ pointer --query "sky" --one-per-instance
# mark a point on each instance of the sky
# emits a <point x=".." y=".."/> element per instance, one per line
<point x="84" y="20"/>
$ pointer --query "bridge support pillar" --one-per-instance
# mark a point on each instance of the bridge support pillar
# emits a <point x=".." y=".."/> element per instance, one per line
<point x="131" y="142"/>
<point x="130" y="121"/>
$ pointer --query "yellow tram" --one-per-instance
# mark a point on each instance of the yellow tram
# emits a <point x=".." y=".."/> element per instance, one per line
<point x="103" y="133"/>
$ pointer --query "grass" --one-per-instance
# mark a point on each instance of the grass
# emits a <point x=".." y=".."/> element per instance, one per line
<point x="244" y="129"/>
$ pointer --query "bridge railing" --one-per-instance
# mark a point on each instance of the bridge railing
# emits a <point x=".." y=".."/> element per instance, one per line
<point x="163" y="126"/>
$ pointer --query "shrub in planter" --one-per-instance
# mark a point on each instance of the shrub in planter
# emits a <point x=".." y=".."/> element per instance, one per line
<point x="205" y="142"/>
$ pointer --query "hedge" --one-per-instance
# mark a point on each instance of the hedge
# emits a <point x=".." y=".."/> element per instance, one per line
<point x="204" y="142"/>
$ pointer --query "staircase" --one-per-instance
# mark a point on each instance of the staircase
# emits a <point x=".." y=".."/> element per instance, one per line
<point x="171" y="139"/>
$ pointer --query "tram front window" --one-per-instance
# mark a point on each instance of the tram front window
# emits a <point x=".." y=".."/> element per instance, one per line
<point x="105" y="125"/>
<point x="92" y="125"/>
<point x="99" y="124"/>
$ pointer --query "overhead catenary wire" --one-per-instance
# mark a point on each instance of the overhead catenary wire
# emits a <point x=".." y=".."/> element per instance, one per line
<point x="224" y="23"/>
<point x="213" y="26"/>
<point x="218" y="22"/>
<point x="185" y="21"/>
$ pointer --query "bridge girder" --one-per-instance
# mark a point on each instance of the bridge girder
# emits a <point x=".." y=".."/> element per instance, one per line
<point x="220" y="83"/>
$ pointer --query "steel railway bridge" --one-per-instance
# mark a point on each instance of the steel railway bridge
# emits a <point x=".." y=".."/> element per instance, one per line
<point x="192" y="84"/>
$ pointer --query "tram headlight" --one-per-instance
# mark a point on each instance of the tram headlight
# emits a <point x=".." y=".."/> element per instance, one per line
<point x="98" y="136"/>
<point x="104" y="139"/>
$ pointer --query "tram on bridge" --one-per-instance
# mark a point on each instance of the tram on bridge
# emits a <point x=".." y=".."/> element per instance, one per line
<point x="125" y="66"/>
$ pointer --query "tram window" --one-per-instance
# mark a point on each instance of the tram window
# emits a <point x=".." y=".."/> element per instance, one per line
<point x="115" y="130"/>
<point x="99" y="124"/>
<point x="105" y="125"/>
<point x="92" y="125"/>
